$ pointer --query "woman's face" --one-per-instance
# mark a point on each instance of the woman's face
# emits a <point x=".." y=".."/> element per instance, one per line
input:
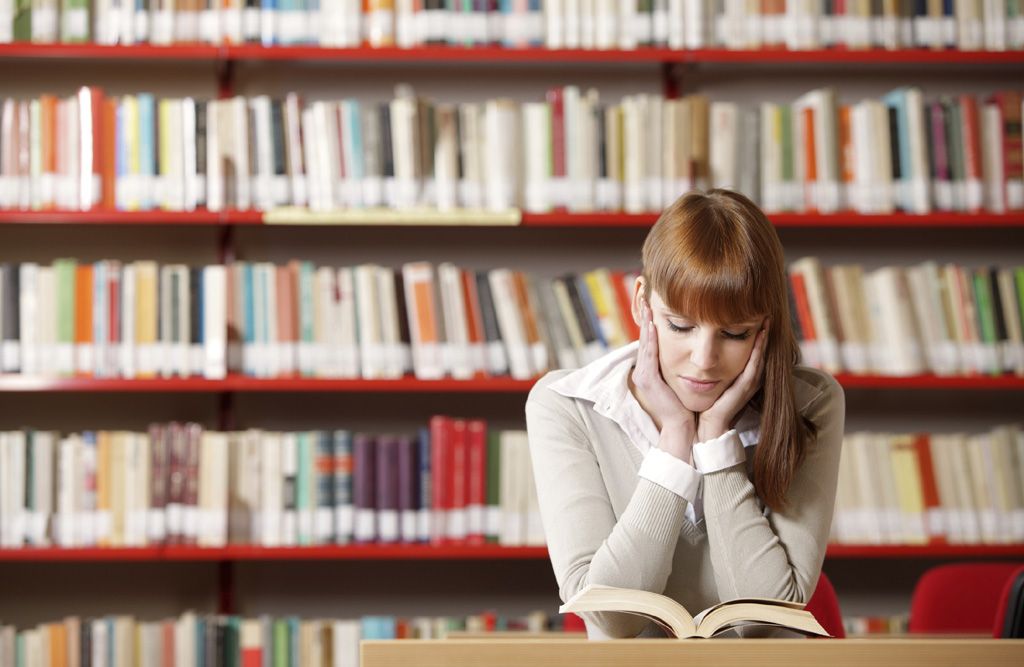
<point x="699" y="360"/>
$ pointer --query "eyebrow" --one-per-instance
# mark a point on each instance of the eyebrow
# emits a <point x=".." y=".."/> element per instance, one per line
<point x="672" y="313"/>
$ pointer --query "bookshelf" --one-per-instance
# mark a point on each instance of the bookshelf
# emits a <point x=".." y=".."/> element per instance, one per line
<point x="485" y="55"/>
<point x="243" y="68"/>
<point x="498" y="385"/>
<point x="558" y="219"/>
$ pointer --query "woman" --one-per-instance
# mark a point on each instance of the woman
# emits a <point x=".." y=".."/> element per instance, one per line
<point x="701" y="461"/>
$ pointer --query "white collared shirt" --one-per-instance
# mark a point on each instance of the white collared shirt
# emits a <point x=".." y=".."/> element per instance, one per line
<point x="604" y="382"/>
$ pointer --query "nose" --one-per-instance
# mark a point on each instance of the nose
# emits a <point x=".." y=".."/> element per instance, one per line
<point x="704" y="354"/>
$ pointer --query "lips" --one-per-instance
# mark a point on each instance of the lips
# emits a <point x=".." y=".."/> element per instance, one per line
<point x="698" y="386"/>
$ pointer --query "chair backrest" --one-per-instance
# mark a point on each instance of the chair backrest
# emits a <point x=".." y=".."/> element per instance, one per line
<point x="1010" y="614"/>
<point x="824" y="604"/>
<point x="960" y="597"/>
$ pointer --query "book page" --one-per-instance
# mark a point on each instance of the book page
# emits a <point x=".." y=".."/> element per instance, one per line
<point x="660" y="608"/>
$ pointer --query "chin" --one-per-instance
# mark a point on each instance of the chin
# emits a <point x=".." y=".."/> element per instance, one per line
<point x="695" y="404"/>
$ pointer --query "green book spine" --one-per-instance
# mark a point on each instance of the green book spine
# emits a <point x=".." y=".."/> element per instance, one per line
<point x="788" y="165"/>
<point x="74" y="21"/>
<point x="23" y="21"/>
<point x="64" y="270"/>
<point x="232" y="643"/>
<point x="986" y="316"/>
<point x="303" y="487"/>
<point x="280" y="643"/>
<point x="306" y="317"/>
<point x="493" y="495"/>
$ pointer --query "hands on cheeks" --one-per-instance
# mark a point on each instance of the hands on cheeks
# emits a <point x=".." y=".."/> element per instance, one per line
<point x="718" y="419"/>
<point x="676" y="423"/>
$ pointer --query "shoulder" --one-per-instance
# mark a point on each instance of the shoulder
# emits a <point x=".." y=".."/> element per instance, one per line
<point x="818" y="395"/>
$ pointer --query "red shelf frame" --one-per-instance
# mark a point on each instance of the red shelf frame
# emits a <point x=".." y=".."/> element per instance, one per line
<point x="850" y="381"/>
<point x="555" y="219"/>
<point x="242" y="383"/>
<point x="500" y="385"/>
<point x="940" y="550"/>
<point x="421" y="552"/>
<point x="786" y="220"/>
<point x="100" y="217"/>
<point x="493" y="54"/>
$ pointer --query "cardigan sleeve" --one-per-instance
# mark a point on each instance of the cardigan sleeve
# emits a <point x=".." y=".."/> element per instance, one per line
<point x="778" y="555"/>
<point x="585" y="541"/>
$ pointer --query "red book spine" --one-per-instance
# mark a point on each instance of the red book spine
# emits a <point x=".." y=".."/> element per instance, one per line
<point x="476" y="480"/>
<point x="972" y="138"/>
<point x="554" y="97"/>
<point x="97" y="97"/>
<point x="625" y="301"/>
<point x="1009" y="104"/>
<point x="108" y="154"/>
<point x="252" y="656"/>
<point x="113" y="315"/>
<point x="803" y="308"/>
<point x="458" y="454"/>
<point x="929" y="487"/>
<point x="440" y="471"/>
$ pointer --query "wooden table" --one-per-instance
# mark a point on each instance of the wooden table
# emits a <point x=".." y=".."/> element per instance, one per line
<point x="930" y="652"/>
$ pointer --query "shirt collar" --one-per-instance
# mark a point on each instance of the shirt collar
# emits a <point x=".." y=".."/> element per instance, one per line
<point x="604" y="382"/>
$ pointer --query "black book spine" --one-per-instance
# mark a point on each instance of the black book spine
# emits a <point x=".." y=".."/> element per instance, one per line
<point x="195" y="304"/>
<point x="487" y="312"/>
<point x="387" y="156"/>
<point x="997" y="305"/>
<point x="85" y="643"/>
<point x="578" y="309"/>
<point x="277" y="129"/>
<point x="602" y="145"/>
<point x="894" y="144"/>
<point x="403" y="313"/>
<point x="201" y="138"/>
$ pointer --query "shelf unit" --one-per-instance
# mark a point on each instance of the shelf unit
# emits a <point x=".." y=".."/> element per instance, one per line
<point x="492" y="54"/>
<point x="497" y="385"/>
<point x="671" y="64"/>
<point x="557" y="219"/>
<point x="415" y="552"/>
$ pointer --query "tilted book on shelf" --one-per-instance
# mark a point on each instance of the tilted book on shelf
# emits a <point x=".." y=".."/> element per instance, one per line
<point x="679" y="623"/>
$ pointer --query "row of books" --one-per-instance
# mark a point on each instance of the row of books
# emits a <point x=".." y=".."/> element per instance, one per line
<point x="573" y="151"/>
<point x="141" y="319"/>
<point x="451" y="482"/>
<point x="946" y="319"/>
<point x="586" y="24"/>
<point x="856" y="626"/>
<point x="916" y="488"/>
<point x="208" y="640"/>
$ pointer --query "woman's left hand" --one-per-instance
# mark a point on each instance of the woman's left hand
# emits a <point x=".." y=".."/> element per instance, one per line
<point x="718" y="419"/>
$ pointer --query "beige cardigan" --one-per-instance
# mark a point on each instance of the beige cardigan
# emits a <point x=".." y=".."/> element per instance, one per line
<point x="606" y="525"/>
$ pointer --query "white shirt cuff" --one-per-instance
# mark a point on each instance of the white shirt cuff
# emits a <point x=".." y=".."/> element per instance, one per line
<point x="674" y="474"/>
<point x="720" y="453"/>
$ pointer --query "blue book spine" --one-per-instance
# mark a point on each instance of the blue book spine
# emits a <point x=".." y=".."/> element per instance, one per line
<point x="897" y="100"/>
<point x="426" y="499"/>
<point x="356" y="127"/>
<point x="342" y="468"/>
<point x="250" y="316"/>
<point x="147" y="149"/>
<point x="536" y="21"/>
<point x="268" y="21"/>
<point x="120" y="157"/>
<point x="506" y="9"/>
<point x="588" y="305"/>
<point x="323" y="473"/>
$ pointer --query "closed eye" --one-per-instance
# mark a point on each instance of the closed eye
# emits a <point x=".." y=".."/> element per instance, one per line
<point x="741" y="335"/>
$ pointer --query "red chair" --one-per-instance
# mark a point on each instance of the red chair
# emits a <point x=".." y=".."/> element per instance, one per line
<point x="824" y="605"/>
<point x="1009" y="597"/>
<point x="961" y="597"/>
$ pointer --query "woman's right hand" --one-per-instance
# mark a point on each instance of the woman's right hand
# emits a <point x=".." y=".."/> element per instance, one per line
<point x="677" y="424"/>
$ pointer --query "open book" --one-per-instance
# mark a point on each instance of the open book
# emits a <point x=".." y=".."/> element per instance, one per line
<point x="671" y="615"/>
